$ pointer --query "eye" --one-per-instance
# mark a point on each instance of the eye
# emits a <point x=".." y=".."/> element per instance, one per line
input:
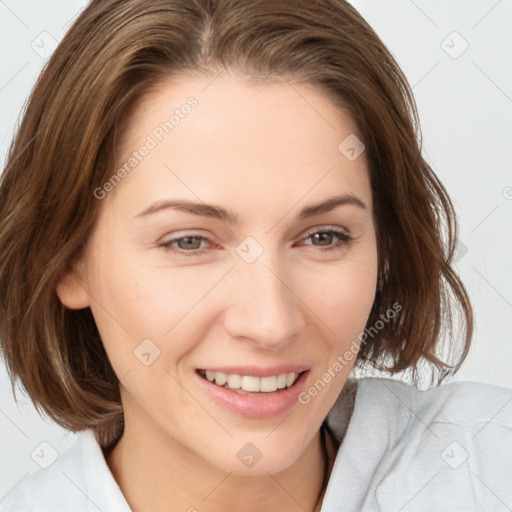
<point x="190" y="245"/>
<point x="326" y="236"/>
<point x="186" y="245"/>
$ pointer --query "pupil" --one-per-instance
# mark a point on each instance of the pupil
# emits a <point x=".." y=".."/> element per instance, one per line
<point x="319" y="235"/>
<point x="186" y="240"/>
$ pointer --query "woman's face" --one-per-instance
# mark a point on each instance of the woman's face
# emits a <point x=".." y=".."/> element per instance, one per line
<point x="248" y="277"/>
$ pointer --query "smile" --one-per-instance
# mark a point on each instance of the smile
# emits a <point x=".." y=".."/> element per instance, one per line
<point x="249" y="383"/>
<point x="253" y="392"/>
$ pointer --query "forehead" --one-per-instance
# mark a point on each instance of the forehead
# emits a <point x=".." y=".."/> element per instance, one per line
<point x="240" y="141"/>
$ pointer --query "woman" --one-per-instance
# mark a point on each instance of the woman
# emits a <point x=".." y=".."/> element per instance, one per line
<point x="211" y="213"/>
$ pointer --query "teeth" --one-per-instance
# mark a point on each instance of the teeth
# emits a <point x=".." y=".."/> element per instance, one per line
<point x="281" y="381"/>
<point x="234" y="381"/>
<point x="253" y="384"/>
<point x="220" y="378"/>
<point x="250" y="384"/>
<point x="268" y="384"/>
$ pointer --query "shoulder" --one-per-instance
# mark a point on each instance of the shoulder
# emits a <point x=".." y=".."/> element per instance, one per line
<point x="402" y="411"/>
<point x="464" y="403"/>
<point x="455" y="451"/>
<point x="79" y="479"/>
<point x="445" y="448"/>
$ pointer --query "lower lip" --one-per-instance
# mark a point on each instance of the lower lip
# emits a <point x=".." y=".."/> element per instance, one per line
<point x="266" y="405"/>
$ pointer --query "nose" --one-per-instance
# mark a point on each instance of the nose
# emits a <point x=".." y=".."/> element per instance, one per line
<point x="264" y="308"/>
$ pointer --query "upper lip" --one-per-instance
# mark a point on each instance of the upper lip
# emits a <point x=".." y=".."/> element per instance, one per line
<point x="257" y="371"/>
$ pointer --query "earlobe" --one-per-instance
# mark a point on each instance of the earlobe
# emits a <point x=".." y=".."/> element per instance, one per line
<point x="71" y="292"/>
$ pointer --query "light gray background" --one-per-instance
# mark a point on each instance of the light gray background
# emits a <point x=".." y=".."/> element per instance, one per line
<point x="464" y="97"/>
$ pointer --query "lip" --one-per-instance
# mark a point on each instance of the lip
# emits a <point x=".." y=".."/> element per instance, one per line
<point x="262" y="406"/>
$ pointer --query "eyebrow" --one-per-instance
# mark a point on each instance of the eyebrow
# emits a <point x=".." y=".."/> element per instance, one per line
<point x="217" y="212"/>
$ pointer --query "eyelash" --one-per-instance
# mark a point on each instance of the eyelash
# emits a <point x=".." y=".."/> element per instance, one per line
<point x="344" y="241"/>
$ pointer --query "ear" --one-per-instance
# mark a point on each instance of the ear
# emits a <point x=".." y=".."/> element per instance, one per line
<point x="71" y="290"/>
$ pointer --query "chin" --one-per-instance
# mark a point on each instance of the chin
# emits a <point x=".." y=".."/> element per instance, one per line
<point x="256" y="455"/>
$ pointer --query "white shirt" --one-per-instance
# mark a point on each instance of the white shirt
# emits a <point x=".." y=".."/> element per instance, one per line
<point x="445" y="449"/>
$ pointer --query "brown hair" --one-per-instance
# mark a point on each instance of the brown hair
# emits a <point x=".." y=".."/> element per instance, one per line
<point x="115" y="53"/>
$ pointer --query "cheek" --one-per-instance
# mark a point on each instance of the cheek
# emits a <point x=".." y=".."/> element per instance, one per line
<point x="134" y="301"/>
<point x="343" y="298"/>
<point x="343" y="305"/>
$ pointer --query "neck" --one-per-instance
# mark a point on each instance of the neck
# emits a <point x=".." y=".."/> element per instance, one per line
<point x="160" y="474"/>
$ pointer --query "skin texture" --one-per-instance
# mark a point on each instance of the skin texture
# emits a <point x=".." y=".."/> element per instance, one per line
<point x="264" y="151"/>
